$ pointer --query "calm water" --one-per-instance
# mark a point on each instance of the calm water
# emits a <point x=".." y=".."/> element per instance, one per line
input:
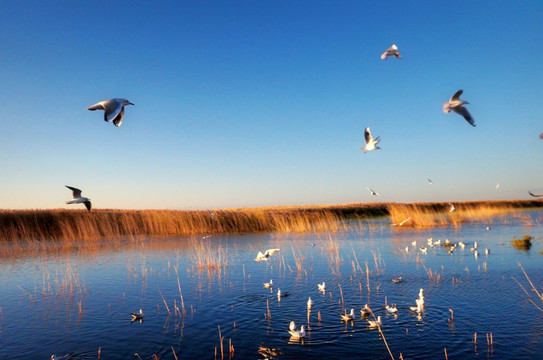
<point x="80" y="300"/>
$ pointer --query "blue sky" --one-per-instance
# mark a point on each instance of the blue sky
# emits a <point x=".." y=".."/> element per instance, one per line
<point x="258" y="103"/>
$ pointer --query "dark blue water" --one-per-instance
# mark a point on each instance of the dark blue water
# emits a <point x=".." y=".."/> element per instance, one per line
<point x="41" y="295"/>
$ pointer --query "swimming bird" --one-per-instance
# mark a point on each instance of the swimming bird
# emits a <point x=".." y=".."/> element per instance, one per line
<point x="266" y="255"/>
<point x="476" y="254"/>
<point x="370" y="143"/>
<point x="365" y="310"/>
<point x="424" y="250"/>
<point x="268" y="284"/>
<point x="375" y="323"/>
<point x="281" y="294"/>
<point x="298" y="334"/>
<point x="65" y="357"/>
<point x="401" y="223"/>
<point x="407" y="249"/>
<point x="348" y="317"/>
<point x="461" y="244"/>
<point x="397" y="280"/>
<point x="374" y="193"/>
<point x="114" y="109"/>
<point x="474" y="246"/>
<point x="78" y="199"/>
<point x="392" y="309"/>
<point x="292" y="326"/>
<point x="391" y="51"/>
<point x="455" y="104"/>
<point x="414" y="243"/>
<point x="309" y="303"/>
<point x="487" y="252"/>
<point x="535" y="195"/>
<point x="451" y="207"/>
<point x="421" y="293"/>
<point x="417" y="309"/>
<point x="321" y="287"/>
<point x="137" y="316"/>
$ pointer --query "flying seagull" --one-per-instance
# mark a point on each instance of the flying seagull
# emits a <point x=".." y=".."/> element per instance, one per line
<point x="535" y="195"/>
<point x="374" y="193"/>
<point x="455" y="104"/>
<point x="114" y="109"/>
<point x="451" y="207"/>
<point x="430" y="181"/>
<point x="391" y="51"/>
<point x="78" y="199"/>
<point x="370" y="143"/>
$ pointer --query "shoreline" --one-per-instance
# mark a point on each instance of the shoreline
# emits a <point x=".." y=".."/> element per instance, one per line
<point x="76" y="225"/>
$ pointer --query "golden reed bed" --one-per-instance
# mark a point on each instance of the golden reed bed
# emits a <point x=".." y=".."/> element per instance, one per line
<point x="75" y="225"/>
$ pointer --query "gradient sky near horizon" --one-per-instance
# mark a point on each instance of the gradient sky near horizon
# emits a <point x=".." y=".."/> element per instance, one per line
<point x="259" y="103"/>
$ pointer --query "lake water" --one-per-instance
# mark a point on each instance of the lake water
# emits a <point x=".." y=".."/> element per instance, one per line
<point x="79" y="300"/>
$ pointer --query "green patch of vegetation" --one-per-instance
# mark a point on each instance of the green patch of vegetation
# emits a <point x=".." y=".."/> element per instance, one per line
<point x="522" y="244"/>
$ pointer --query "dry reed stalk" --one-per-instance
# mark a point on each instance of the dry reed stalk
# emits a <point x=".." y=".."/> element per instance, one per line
<point x="268" y="308"/>
<point x="446" y="357"/>
<point x="165" y="304"/>
<point x="531" y="283"/>
<point x="230" y="347"/>
<point x="99" y="352"/>
<point x="451" y="320"/>
<point x="382" y="334"/>
<point x="221" y="339"/>
<point x="174" y="354"/>
<point x="341" y="293"/>
<point x="475" y="338"/>
<point x="180" y="293"/>
<point x="368" y="278"/>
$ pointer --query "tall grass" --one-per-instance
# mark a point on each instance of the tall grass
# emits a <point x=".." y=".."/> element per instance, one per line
<point x="77" y="225"/>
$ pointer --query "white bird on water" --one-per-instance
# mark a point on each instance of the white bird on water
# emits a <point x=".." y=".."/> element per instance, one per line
<point x="298" y="334"/>
<point x="348" y="317"/>
<point x="78" y="199"/>
<point x="309" y="303"/>
<point x="268" y="284"/>
<point x="455" y="104"/>
<point x="371" y="144"/>
<point x="266" y="255"/>
<point x="374" y="193"/>
<point x="375" y="323"/>
<point x="365" y="310"/>
<point x="114" y="109"/>
<point x="137" y="316"/>
<point x="391" y="51"/>
<point x="292" y="326"/>
<point x="392" y="309"/>
<point x="322" y="287"/>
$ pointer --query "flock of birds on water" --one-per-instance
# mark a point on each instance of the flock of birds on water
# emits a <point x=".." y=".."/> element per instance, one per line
<point x="365" y="312"/>
<point x="114" y="112"/>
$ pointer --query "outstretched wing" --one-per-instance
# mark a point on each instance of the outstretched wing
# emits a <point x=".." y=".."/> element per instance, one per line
<point x="75" y="192"/>
<point x="88" y="205"/>
<point x="534" y="195"/>
<point x="119" y="119"/>
<point x="113" y="109"/>
<point x="465" y="113"/>
<point x="367" y="136"/>
<point x="98" y="106"/>
<point x="456" y="96"/>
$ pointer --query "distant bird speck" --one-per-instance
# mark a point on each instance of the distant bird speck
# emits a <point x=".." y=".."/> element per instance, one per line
<point x="451" y="207"/>
<point x="455" y="104"/>
<point x="391" y="51"/>
<point x="374" y="193"/>
<point x="401" y="223"/>
<point x="113" y="109"/>
<point x="78" y="199"/>
<point x="430" y="182"/>
<point x="371" y="144"/>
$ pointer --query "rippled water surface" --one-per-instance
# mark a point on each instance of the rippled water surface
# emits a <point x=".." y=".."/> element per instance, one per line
<point x="59" y="301"/>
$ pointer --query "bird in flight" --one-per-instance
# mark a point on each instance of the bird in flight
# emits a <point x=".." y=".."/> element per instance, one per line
<point x="451" y="207"/>
<point x="113" y="109"/>
<point x="401" y="223"/>
<point x="374" y="193"/>
<point x="78" y="199"/>
<point x="430" y="181"/>
<point x="455" y="104"/>
<point x="535" y="195"/>
<point x="371" y="144"/>
<point x="391" y="51"/>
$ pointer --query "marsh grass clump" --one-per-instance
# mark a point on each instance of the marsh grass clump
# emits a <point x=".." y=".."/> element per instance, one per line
<point x="522" y="244"/>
